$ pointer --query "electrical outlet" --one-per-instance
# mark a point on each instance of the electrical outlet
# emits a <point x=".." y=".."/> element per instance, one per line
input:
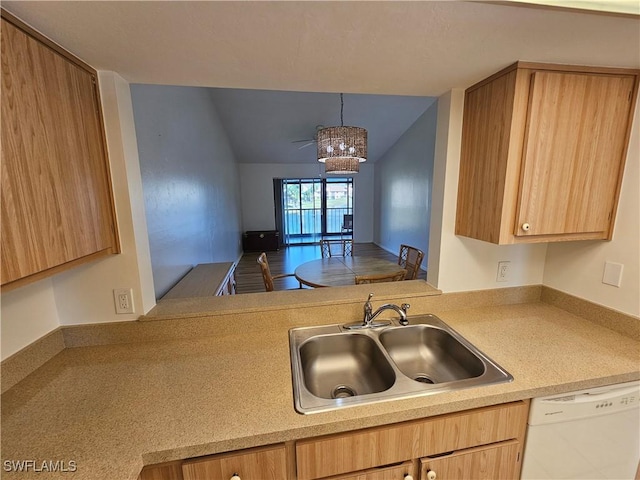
<point x="504" y="271"/>
<point x="123" y="298"/>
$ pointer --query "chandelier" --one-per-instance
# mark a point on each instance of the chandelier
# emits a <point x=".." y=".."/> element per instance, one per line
<point x="342" y="149"/>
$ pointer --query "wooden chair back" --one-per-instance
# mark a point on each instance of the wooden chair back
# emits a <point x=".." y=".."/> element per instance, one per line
<point x="410" y="258"/>
<point x="347" y="223"/>
<point x="384" y="277"/>
<point x="336" y="248"/>
<point x="266" y="272"/>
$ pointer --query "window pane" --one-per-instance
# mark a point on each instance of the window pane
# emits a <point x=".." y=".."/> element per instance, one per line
<point x="339" y="203"/>
<point x="304" y="211"/>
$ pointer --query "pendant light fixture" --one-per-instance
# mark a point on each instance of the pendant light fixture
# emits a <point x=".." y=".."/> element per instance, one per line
<point x="342" y="149"/>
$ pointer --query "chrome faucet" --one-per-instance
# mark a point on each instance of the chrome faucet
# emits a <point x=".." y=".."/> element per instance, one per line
<point x="370" y="315"/>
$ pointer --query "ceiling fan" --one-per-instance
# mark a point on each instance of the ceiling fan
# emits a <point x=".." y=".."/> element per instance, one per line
<point x="309" y="141"/>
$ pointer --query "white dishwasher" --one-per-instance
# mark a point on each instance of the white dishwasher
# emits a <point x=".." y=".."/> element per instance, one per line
<point x="589" y="434"/>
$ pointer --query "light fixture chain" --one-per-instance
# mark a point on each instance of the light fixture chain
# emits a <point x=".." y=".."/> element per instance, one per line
<point x="341" y="111"/>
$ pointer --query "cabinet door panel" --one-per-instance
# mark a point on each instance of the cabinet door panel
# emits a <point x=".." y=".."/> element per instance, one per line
<point x="397" y="472"/>
<point x="259" y="464"/>
<point x="363" y="449"/>
<point x="172" y="471"/>
<point x="574" y="146"/>
<point x="487" y="121"/>
<point x="56" y="199"/>
<point x="494" y="462"/>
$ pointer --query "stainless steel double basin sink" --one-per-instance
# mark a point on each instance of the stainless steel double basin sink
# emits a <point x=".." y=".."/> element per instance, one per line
<point x="334" y="367"/>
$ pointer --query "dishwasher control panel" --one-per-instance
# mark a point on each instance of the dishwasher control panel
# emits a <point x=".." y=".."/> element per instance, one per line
<point x="585" y="403"/>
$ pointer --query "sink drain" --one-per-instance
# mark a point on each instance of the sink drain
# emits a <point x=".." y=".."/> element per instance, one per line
<point x="423" y="379"/>
<point x="343" y="391"/>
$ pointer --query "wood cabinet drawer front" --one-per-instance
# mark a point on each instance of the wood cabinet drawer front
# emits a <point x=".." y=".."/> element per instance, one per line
<point x="167" y="471"/>
<point x="397" y="472"/>
<point x="489" y="462"/>
<point x="360" y="450"/>
<point x="258" y="464"/>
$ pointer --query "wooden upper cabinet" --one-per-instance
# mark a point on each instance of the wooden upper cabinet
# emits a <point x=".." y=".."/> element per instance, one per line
<point x="57" y="206"/>
<point x="543" y="153"/>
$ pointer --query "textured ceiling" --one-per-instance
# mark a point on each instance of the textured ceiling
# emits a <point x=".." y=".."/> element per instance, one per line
<point x="385" y="47"/>
<point x="417" y="48"/>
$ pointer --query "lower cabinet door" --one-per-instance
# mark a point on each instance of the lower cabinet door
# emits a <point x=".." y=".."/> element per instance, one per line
<point x="256" y="464"/>
<point x="165" y="471"/>
<point x="396" y="472"/>
<point x="491" y="462"/>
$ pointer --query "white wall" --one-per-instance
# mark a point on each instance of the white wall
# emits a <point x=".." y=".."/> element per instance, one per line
<point x="28" y="313"/>
<point x="258" y="210"/>
<point x="403" y="183"/>
<point x="577" y="267"/>
<point x="190" y="181"/>
<point x="85" y="293"/>
<point x="459" y="263"/>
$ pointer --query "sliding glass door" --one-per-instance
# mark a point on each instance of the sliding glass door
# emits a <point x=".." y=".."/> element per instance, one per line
<point x="302" y="210"/>
<point x="314" y="208"/>
<point x="338" y="204"/>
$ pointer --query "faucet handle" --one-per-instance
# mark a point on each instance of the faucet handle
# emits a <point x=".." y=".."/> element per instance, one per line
<point x="370" y="297"/>
<point x="403" y="319"/>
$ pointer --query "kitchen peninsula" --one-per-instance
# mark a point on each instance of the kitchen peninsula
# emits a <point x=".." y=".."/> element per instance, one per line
<point x="122" y="396"/>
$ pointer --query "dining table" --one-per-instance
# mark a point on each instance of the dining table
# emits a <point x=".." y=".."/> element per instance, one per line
<point x="341" y="271"/>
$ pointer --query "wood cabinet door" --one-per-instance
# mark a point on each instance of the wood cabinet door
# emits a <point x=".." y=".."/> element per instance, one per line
<point x="267" y="463"/>
<point x="574" y="152"/>
<point x="373" y="447"/>
<point x="167" y="471"/>
<point x="396" y="472"/>
<point x="56" y="198"/>
<point x="480" y="211"/>
<point x="493" y="462"/>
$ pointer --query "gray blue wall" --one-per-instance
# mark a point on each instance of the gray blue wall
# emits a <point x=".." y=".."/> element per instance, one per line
<point x="189" y="179"/>
<point x="403" y="182"/>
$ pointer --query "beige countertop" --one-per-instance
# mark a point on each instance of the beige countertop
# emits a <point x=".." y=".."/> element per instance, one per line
<point x="114" y="408"/>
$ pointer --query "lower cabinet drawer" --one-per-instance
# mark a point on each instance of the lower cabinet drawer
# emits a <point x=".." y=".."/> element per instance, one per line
<point x="373" y="447"/>
<point x="395" y="472"/>
<point x="489" y="462"/>
<point x="268" y="463"/>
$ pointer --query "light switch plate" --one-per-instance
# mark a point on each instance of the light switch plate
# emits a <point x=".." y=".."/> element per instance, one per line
<point x="612" y="273"/>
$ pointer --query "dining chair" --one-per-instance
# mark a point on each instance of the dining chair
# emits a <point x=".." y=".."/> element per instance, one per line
<point x="266" y="273"/>
<point x="347" y="224"/>
<point x="410" y="258"/>
<point x="385" y="277"/>
<point x="336" y="248"/>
